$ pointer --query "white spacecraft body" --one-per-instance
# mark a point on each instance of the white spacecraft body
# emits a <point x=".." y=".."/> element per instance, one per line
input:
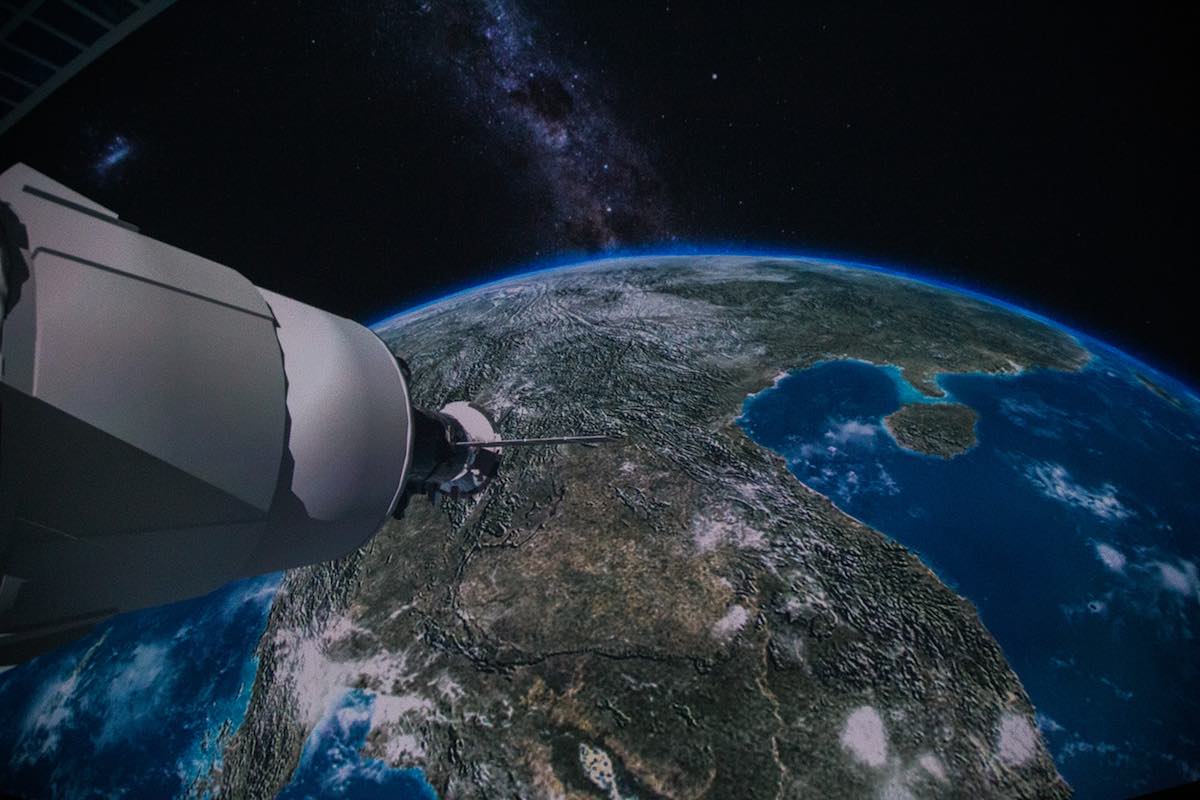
<point x="481" y="461"/>
<point x="167" y="427"/>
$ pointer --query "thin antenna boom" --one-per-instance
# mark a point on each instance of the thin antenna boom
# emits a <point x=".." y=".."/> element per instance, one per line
<point x="597" y="439"/>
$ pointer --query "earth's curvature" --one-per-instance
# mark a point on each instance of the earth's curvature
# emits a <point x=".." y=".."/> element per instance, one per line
<point x="697" y="610"/>
<point x="680" y="602"/>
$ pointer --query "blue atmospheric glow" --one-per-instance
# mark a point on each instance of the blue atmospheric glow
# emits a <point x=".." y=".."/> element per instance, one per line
<point x="574" y="260"/>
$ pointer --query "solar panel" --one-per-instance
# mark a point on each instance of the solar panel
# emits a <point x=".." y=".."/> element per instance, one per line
<point x="43" y="43"/>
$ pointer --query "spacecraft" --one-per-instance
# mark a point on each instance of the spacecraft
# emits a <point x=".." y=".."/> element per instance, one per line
<point x="167" y="427"/>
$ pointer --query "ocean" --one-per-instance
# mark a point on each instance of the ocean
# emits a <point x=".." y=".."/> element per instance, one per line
<point x="1071" y="525"/>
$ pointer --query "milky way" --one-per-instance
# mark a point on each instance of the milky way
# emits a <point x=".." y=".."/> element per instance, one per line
<point x="550" y="116"/>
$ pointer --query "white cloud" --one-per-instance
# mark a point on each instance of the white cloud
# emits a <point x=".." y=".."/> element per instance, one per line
<point x="388" y="708"/>
<point x="394" y="705"/>
<point x="259" y="592"/>
<point x="1055" y="482"/>
<point x="1048" y="723"/>
<point x="135" y="690"/>
<point x="712" y="531"/>
<point x="864" y="736"/>
<point x="1016" y="743"/>
<point x="895" y="790"/>
<point x="348" y="716"/>
<point x="1113" y="558"/>
<point x="727" y="626"/>
<point x="49" y="715"/>
<point x="851" y="429"/>
<point x="320" y="679"/>
<point x="1123" y="694"/>
<point x="1077" y="746"/>
<point x="403" y="747"/>
<point x="1182" y="578"/>
<point x="933" y="765"/>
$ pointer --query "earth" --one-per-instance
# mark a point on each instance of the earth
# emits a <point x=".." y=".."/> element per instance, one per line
<point x="861" y="536"/>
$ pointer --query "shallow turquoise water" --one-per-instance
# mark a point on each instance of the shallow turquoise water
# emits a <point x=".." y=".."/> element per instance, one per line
<point x="1072" y="526"/>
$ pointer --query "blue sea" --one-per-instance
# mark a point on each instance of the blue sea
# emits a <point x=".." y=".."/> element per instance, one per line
<point x="1072" y="525"/>
<point x="137" y="708"/>
<point x="332" y="764"/>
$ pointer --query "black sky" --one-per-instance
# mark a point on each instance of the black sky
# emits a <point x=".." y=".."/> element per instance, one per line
<point x="362" y="156"/>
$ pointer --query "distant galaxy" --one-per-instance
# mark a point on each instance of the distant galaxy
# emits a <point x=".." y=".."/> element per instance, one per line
<point x="115" y="152"/>
<point x="552" y="118"/>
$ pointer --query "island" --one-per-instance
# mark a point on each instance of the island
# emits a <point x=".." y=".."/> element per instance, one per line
<point x="945" y="430"/>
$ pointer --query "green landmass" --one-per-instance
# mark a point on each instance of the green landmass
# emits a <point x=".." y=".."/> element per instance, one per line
<point x="936" y="429"/>
<point x="676" y="611"/>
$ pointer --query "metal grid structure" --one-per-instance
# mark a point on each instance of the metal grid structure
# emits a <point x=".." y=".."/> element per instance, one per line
<point x="43" y="43"/>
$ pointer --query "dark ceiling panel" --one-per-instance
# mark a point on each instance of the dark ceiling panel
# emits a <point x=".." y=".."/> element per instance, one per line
<point x="43" y="44"/>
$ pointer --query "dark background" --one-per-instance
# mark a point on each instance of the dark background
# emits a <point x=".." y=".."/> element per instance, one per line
<point x="364" y="156"/>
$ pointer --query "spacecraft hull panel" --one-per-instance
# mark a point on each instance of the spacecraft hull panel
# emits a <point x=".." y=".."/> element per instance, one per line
<point x="170" y="352"/>
<point x="195" y="384"/>
<point x="349" y="436"/>
<point x="168" y="427"/>
<point x="19" y="176"/>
